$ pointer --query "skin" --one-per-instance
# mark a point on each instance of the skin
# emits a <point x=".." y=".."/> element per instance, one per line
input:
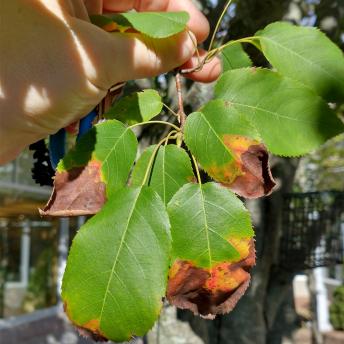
<point x="56" y="66"/>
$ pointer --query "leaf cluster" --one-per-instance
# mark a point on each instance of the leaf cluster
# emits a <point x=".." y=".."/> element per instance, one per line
<point x="158" y="230"/>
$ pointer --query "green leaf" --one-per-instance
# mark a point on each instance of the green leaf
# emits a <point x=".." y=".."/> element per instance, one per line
<point x="171" y="170"/>
<point x="152" y="24"/>
<point x="111" y="144"/>
<point x="117" y="268"/>
<point x="94" y="170"/>
<point x="204" y="220"/>
<point x="234" y="56"/>
<point x="211" y="231"/>
<point x="229" y="150"/>
<point x="137" y="107"/>
<point x="290" y="118"/>
<point x="305" y="54"/>
<point x="101" y="20"/>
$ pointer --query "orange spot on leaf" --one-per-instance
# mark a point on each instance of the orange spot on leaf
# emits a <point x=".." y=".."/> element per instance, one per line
<point x="111" y="27"/>
<point x="91" y="329"/>
<point x="92" y="325"/>
<point x="238" y="144"/>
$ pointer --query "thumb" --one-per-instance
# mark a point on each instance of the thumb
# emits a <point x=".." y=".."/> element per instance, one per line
<point x="116" y="57"/>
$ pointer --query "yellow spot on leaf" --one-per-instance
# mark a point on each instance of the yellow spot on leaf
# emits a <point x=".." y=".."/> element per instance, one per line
<point x="242" y="245"/>
<point x="229" y="172"/>
<point x="238" y="144"/>
<point x="226" y="173"/>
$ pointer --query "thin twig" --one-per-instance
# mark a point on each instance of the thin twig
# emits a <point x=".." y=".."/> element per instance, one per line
<point x="181" y="113"/>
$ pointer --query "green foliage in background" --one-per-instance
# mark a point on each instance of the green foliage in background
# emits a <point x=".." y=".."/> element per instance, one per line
<point x="337" y="309"/>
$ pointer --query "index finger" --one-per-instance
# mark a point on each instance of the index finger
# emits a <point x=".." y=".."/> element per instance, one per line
<point x="198" y="23"/>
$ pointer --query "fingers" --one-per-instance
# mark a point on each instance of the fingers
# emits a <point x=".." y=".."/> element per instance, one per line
<point x="209" y="72"/>
<point x="94" y="6"/>
<point x="79" y="9"/>
<point x="198" y="23"/>
<point x="117" y="57"/>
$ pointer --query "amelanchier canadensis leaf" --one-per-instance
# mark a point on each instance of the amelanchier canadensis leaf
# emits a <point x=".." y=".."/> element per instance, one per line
<point x="152" y="24"/>
<point x="137" y="107"/>
<point x="290" y="118"/>
<point x="229" y="149"/>
<point x="234" y="56"/>
<point x="118" y="266"/>
<point x="171" y="169"/>
<point x="305" y="54"/>
<point x="91" y="172"/>
<point x="213" y="249"/>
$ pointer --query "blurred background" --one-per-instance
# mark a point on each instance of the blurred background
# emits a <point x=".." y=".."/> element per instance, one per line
<point x="297" y="290"/>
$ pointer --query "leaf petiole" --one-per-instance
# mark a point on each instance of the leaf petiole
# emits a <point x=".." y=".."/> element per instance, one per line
<point x="155" y="152"/>
<point x="169" y="109"/>
<point x="216" y="51"/>
<point x="155" y="122"/>
<point x="197" y="170"/>
<point x="212" y="41"/>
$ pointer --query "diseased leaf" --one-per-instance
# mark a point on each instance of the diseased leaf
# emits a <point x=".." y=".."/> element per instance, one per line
<point x="229" y="149"/>
<point x="111" y="25"/>
<point x="117" y="268"/>
<point x="152" y="24"/>
<point x="291" y="119"/>
<point x="234" y="56"/>
<point x="305" y="54"/>
<point x="171" y="170"/>
<point x="95" y="169"/>
<point x="137" y="107"/>
<point x="213" y="249"/>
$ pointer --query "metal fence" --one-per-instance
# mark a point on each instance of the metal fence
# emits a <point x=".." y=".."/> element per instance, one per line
<point x="313" y="230"/>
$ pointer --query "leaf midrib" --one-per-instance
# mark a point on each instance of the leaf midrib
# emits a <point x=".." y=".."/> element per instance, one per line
<point x="318" y="66"/>
<point x="105" y="160"/>
<point x="209" y="229"/>
<point x="275" y="114"/>
<point x="206" y="226"/>
<point x="217" y="136"/>
<point x="169" y="18"/>
<point x="163" y="173"/>
<point x="118" y="253"/>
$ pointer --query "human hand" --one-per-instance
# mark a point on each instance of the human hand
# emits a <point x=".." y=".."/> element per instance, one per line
<point x="56" y="66"/>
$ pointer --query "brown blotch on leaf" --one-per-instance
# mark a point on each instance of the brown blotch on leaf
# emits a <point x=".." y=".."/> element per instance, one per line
<point x="79" y="191"/>
<point x="89" y="330"/>
<point x="255" y="179"/>
<point x="208" y="292"/>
